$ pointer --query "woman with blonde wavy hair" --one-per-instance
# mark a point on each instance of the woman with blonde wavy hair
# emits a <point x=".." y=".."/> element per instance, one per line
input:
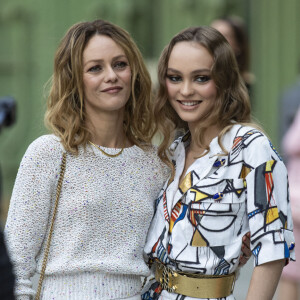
<point x="227" y="179"/>
<point x="99" y="114"/>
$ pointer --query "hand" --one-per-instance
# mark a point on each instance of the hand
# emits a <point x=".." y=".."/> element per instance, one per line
<point x="245" y="249"/>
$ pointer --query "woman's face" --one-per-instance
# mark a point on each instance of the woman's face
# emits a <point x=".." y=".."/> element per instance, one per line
<point x="191" y="90"/>
<point x="106" y="76"/>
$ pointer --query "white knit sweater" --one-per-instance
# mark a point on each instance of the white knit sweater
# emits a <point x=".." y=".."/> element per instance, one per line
<point x="104" y="212"/>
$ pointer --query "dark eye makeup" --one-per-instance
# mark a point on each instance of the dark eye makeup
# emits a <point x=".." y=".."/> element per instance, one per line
<point x="202" y="78"/>
<point x="197" y="78"/>
<point x="174" y="78"/>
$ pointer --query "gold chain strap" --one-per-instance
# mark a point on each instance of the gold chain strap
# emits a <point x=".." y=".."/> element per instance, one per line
<point x="58" y="189"/>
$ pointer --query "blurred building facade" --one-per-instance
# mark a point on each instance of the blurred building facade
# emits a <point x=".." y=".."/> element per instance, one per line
<point x="30" y="31"/>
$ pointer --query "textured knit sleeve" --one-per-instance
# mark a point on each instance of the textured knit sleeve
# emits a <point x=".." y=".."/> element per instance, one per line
<point x="268" y="204"/>
<point x="29" y="210"/>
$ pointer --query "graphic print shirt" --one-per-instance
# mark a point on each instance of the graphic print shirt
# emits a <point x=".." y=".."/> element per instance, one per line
<point x="198" y="225"/>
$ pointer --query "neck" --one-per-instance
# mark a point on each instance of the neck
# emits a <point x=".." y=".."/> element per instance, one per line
<point x="209" y="134"/>
<point x="107" y="130"/>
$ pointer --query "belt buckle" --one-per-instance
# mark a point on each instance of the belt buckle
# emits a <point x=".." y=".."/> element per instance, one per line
<point x="166" y="278"/>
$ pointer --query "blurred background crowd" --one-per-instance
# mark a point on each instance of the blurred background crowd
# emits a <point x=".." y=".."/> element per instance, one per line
<point x="265" y="35"/>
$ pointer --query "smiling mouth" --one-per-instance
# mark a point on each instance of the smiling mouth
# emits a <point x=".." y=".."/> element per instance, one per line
<point x="190" y="103"/>
<point x="113" y="89"/>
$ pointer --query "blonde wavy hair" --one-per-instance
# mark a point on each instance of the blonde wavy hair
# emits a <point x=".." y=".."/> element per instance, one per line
<point x="65" y="115"/>
<point x="232" y="104"/>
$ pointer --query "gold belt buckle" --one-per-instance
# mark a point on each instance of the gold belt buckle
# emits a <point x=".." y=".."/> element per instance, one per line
<point x="166" y="278"/>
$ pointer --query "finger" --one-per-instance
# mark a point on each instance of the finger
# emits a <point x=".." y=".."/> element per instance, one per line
<point x="246" y="237"/>
<point x="246" y="240"/>
<point x="243" y="260"/>
<point x="246" y="251"/>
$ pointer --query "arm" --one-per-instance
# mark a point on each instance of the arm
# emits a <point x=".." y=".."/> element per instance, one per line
<point x="269" y="217"/>
<point x="264" y="280"/>
<point x="28" y="214"/>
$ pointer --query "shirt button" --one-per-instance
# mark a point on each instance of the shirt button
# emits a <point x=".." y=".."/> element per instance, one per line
<point x="292" y="246"/>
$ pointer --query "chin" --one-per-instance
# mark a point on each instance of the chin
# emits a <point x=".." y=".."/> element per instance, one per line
<point x="191" y="119"/>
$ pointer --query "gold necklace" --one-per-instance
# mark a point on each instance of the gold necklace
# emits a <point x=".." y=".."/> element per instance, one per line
<point x="105" y="153"/>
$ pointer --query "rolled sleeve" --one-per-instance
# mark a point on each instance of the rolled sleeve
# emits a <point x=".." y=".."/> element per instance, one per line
<point x="269" y="213"/>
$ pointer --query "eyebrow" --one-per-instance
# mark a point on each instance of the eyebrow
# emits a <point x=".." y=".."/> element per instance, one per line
<point x="101" y="60"/>
<point x="193" y="72"/>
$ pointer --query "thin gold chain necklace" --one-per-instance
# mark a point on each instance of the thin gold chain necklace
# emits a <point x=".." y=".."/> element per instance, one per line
<point x="105" y="153"/>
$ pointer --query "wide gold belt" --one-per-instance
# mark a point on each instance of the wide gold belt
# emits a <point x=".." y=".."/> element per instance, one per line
<point x="194" y="285"/>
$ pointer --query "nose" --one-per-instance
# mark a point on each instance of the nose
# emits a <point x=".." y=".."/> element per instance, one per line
<point x="186" y="89"/>
<point x="110" y="75"/>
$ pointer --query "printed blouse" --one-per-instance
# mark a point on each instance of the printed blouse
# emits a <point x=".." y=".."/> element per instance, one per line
<point x="199" y="224"/>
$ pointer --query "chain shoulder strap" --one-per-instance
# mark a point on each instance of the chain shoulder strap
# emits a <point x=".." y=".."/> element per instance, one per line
<point x="58" y="190"/>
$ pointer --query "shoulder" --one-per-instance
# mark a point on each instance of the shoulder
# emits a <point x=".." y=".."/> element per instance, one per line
<point x="42" y="156"/>
<point x="252" y="144"/>
<point x="150" y="153"/>
<point x="46" y="146"/>
<point x="157" y="163"/>
<point x="151" y="150"/>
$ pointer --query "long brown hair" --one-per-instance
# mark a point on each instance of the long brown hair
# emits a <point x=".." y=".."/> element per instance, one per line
<point x="232" y="103"/>
<point x="65" y="115"/>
